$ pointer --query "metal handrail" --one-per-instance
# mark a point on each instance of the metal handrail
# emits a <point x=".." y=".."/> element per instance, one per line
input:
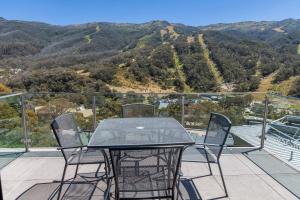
<point x="10" y="95"/>
<point x="184" y="97"/>
<point x="152" y="93"/>
<point x="178" y="93"/>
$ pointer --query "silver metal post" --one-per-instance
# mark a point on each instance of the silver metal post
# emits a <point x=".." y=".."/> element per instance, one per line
<point x="263" y="131"/>
<point x="94" y="113"/>
<point x="24" y="124"/>
<point x="182" y="110"/>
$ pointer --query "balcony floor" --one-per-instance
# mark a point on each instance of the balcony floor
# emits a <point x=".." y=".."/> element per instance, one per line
<point x="244" y="179"/>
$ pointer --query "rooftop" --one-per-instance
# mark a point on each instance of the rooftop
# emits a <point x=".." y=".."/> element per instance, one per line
<point x="251" y="172"/>
<point x="243" y="172"/>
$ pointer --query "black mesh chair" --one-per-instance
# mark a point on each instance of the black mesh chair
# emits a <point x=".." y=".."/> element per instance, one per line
<point x="138" y="110"/>
<point x="1" y="192"/>
<point x="211" y="149"/>
<point x="74" y="152"/>
<point x="155" y="176"/>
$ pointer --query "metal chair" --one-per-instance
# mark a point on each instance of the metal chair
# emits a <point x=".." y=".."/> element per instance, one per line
<point x="138" y="110"/>
<point x="211" y="149"/>
<point x="74" y="152"/>
<point x="155" y="176"/>
<point x="1" y="192"/>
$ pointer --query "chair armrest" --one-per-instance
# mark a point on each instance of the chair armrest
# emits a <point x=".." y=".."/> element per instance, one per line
<point x="75" y="147"/>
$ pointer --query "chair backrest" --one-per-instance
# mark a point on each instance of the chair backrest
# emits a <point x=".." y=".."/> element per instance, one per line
<point x="137" y="110"/>
<point x="145" y="169"/>
<point x="66" y="133"/>
<point x="217" y="132"/>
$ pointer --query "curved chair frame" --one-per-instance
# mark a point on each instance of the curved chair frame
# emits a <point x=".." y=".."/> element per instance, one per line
<point x="213" y="147"/>
<point x="75" y="149"/>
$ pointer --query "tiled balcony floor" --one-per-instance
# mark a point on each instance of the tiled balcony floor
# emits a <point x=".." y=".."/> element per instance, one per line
<point x="243" y="178"/>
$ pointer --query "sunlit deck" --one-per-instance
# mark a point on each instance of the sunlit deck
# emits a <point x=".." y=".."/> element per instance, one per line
<point x="244" y="179"/>
<point x="271" y="173"/>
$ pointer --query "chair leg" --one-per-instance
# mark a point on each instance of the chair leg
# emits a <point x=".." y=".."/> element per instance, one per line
<point x="98" y="169"/>
<point x="76" y="170"/>
<point x="210" y="172"/>
<point x="173" y="193"/>
<point x="117" y="195"/>
<point x="178" y="190"/>
<point x="223" y="181"/>
<point x="62" y="181"/>
<point x="106" y="173"/>
<point x="107" y="191"/>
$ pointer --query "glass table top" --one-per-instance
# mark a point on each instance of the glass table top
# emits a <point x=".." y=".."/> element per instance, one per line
<point x="137" y="132"/>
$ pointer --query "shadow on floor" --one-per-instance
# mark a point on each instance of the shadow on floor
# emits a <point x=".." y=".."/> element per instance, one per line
<point x="48" y="191"/>
<point x="188" y="190"/>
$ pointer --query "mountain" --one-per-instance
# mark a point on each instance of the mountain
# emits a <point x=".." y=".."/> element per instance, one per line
<point x="156" y="56"/>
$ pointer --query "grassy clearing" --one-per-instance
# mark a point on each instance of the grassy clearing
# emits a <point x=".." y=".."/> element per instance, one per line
<point x="123" y="84"/>
<point x="279" y="29"/>
<point x="181" y="74"/>
<point x="163" y="33"/>
<point x="258" y="66"/>
<point x="264" y="86"/>
<point x="190" y="39"/>
<point x="97" y="28"/>
<point x="266" y="83"/>
<point x="4" y="88"/>
<point x="88" y="39"/>
<point x="172" y="32"/>
<point x="285" y="86"/>
<point x="211" y="65"/>
<point x="142" y="42"/>
<point x="83" y="72"/>
<point x="295" y="107"/>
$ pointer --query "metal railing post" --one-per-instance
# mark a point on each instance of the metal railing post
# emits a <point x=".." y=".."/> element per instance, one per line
<point x="182" y="110"/>
<point x="24" y="124"/>
<point x="94" y="113"/>
<point x="263" y="131"/>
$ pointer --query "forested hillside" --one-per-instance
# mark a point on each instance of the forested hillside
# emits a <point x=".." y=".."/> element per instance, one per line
<point x="157" y="56"/>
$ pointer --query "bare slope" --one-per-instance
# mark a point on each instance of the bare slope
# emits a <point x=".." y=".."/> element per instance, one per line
<point x="212" y="66"/>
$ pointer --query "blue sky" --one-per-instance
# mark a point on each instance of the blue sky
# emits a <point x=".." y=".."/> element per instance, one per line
<point x="190" y="12"/>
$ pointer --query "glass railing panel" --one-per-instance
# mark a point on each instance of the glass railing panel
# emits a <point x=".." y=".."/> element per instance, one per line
<point x="11" y="132"/>
<point x="165" y="105"/>
<point x="108" y="106"/>
<point x="193" y="111"/>
<point x="169" y="105"/>
<point x="42" y="108"/>
<point x="245" y="110"/>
